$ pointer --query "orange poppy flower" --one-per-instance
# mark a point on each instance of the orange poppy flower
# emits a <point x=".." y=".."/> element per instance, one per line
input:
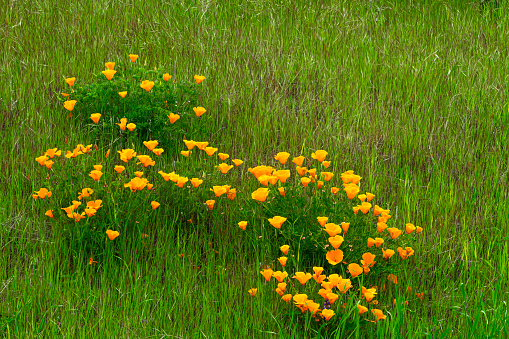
<point x="317" y="270"/>
<point x="282" y="191"/>
<point x="351" y="191"/>
<point x="332" y="229"/>
<point x="378" y="314"/>
<point x="344" y="285"/>
<point x="319" y="184"/>
<point x="368" y="259"/>
<point x="147" y="85"/>
<point x="231" y="194"/>
<point x="361" y="197"/>
<point x="237" y="162"/>
<point x="110" y="65"/>
<point x="319" y="155"/>
<point x="123" y="123"/>
<point x="199" y="78"/>
<point x="312" y="173"/>
<point x="267" y="273"/>
<point x="253" y="291"/>
<point x="224" y="168"/>
<point x="322" y="220"/>
<point x="298" y="160"/>
<point x="210" y="204"/>
<point x="387" y="254"/>
<point x="151" y="144"/>
<point x="327" y="314"/>
<point x="69" y="104"/>
<point x="199" y="111"/>
<point x="92" y="262"/>
<point x="394" y="232"/>
<point x="95" y="174"/>
<point x="112" y="234"/>
<point x="196" y="182"/>
<point x="287" y="298"/>
<point x="95" y="204"/>
<point x="133" y="57"/>
<point x="76" y="216"/>
<point x="409" y="228"/>
<point x="242" y="225"/>
<point x="277" y="221"/>
<point x="70" y="81"/>
<point x="326" y="164"/>
<point x="305" y="181"/>
<point x="122" y="94"/>
<point x="218" y="190"/>
<point x="419" y="229"/>
<point x="334" y="257"/>
<point x="185" y="153"/>
<point x="210" y="151"/>
<point x="334" y="190"/>
<point x="166" y="76"/>
<point x="181" y="182"/>
<point x="282" y="261"/>
<point x="90" y="212"/>
<point x="327" y="176"/>
<point x="282" y="157"/>
<point x="381" y="226"/>
<point x="49" y="213"/>
<point x="302" y="277"/>
<point x="131" y="126"/>
<point x="109" y="74"/>
<point x="173" y="117"/>
<point x="52" y="152"/>
<point x="354" y="269"/>
<point x="280" y="276"/>
<point x="284" y="249"/>
<point x="155" y="204"/>
<point x="95" y="117"/>
<point x="260" y="194"/>
<point x="362" y="309"/>
<point x="336" y="241"/>
<point x="41" y="160"/>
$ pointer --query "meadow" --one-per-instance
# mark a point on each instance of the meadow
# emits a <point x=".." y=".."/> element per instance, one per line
<point x="410" y="95"/>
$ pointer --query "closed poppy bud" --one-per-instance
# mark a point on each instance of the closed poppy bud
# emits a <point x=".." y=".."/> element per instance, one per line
<point x="122" y="94"/>
<point x="147" y="85"/>
<point x="110" y="65"/>
<point x="49" y="213"/>
<point x="334" y="190"/>
<point x="281" y="191"/>
<point x="154" y="204"/>
<point x="199" y="79"/>
<point x="112" y="234"/>
<point x="119" y="169"/>
<point x="284" y="249"/>
<point x="131" y="127"/>
<point x="237" y="162"/>
<point x="95" y="117"/>
<point x="64" y="94"/>
<point x="345" y="226"/>
<point x="109" y="74"/>
<point x="199" y="111"/>
<point x="242" y="225"/>
<point x="409" y="228"/>
<point x="70" y="81"/>
<point x="69" y="104"/>
<point x="166" y="76"/>
<point x="210" y="204"/>
<point x="371" y="242"/>
<point x="173" y="117"/>
<point x="282" y="261"/>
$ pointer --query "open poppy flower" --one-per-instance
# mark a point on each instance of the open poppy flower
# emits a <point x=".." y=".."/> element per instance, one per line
<point x="223" y="156"/>
<point x="327" y="176"/>
<point x="282" y="157"/>
<point x="199" y="111"/>
<point x="326" y="164"/>
<point x="242" y="225"/>
<point x="302" y="277"/>
<point x="147" y="85"/>
<point x="336" y="241"/>
<point x="201" y="144"/>
<point x="317" y="270"/>
<point x="305" y="181"/>
<point x="284" y="249"/>
<point x="210" y="204"/>
<point x="166" y="76"/>
<point x="409" y="228"/>
<point x="327" y="314"/>
<point x="196" y="182"/>
<point x="224" y="168"/>
<point x="95" y="174"/>
<point x="332" y="229"/>
<point x="181" y="181"/>
<point x="173" y="117"/>
<point x="351" y="191"/>
<point x="322" y="220"/>
<point x="210" y="151"/>
<point x="218" y="190"/>
<point x="199" y="79"/>
<point x="52" y="152"/>
<point x="253" y="291"/>
<point x="378" y="314"/>
<point x="145" y="160"/>
<point x="110" y="65"/>
<point x="368" y="260"/>
<point x="387" y="254"/>
<point x="95" y="204"/>
<point x="69" y="104"/>
<point x="76" y="216"/>
<point x="41" y="160"/>
<point x="334" y="190"/>
<point x="231" y="194"/>
<point x="267" y="273"/>
<point x="260" y="194"/>
<point x="354" y="269"/>
<point x="319" y="184"/>
<point x="151" y="144"/>
<point x="70" y="81"/>
<point x="112" y="234"/>
<point x="237" y="162"/>
<point x="319" y="155"/>
<point x="344" y="285"/>
<point x="320" y="278"/>
<point x="49" y="213"/>
<point x="394" y="232"/>
<point x="109" y="74"/>
<point x="334" y="257"/>
<point x="122" y="125"/>
<point x="277" y="221"/>
<point x="282" y="261"/>
<point x="280" y="276"/>
<point x="133" y="57"/>
<point x="362" y="309"/>
<point x="131" y="126"/>
<point x="122" y="94"/>
<point x="155" y="204"/>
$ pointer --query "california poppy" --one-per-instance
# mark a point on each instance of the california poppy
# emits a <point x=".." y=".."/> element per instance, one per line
<point x="351" y="191"/>
<point x="280" y="276"/>
<point x="319" y="184"/>
<point x="41" y="160"/>
<point x="409" y="228"/>
<point x="210" y="204"/>
<point x="322" y="220"/>
<point x="199" y="78"/>
<point x="69" y="104"/>
<point x="237" y="162"/>
<point x="218" y="190"/>
<point x="151" y="144"/>
<point x="282" y="191"/>
<point x="282" y="157"/>
<point x="319" y="155"/>
<point x="395" y="232"/>
<point x="282" y="261"/>
<point x="199" y="111"/>
<point x="302" y="277"/>
<point x="284" y="249"/>
<point x="52" y="152"/>
<point x="327" y="314"/>
<point x="123" y="123"/>
<point x="224" y="168"/>
<point x="260" y="194"/>
<point x="185" y="153"/>
<point x="277" y="221"/>
<point x="155" y="204"/>
<point x="131" y="126"/>
<point x="334" y="257"/>
<point x="95" y="174"/>
<point x="112" y="234"/>
<point x="253" y="291"/>
<point x="181" y="182"/>
<point x="109" y="74"/>
<point x="305" y="181"/>
<point x="122" y="94"/>
<point x="332" y="229"/>
<point x="231" y="194"/>
<point x="133" y="57"/>
<point x="147" y="85"/>
<point x="354" y="269"/>
<point x="344" y="285"/>
<point x="393" y="278"/>
<point x="267" y="273"/>
<point x="173" y="117"/>
<point x="242" y="225"/>
<point x="336" y="241"/>
<point x="196" y="182"/>
<point x="326" y="164"/>
<point x="362" y="309"/>
<point x="110" y="65"/>
<point x="378" y="314"/>
<point x="166" y="76"/>
<point x="95" y="204"/>
<point x="368" y="259"/>
<point x="210" y="151"/>
<point x="387" y="254"/>
<point x="49" y="213"/>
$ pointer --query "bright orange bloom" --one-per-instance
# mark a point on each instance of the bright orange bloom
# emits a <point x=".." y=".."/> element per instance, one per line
<point x="354" y="269"/>
<point x="69" y="104"/>
<point x="181" y="182"/>
<point x="317" y="270"/>
<point x="210" y="204"/>
<point x="218" y="190"/>
<point x="332" y="297"/>
<point x="370" y="196"/>
<point x="146" y="160"/>
<point x="201" y="144"/>
<point x="394" y="232"/>
<point x="109" y="74"/>
<point x="242" y="225"/>
<point x="327" y="314"/>
<point x="361" y="197"/>
<point x="92" y="262"/>
<point x="381" y="226"/>
<point x="147" y="85"/>
<point x="364" y="207"/>
<point x="49" y="163"/>
<point x="305" y="181"/>
<point x="98" y="167"/>
<point x="368" y="259"/>
<point x="284" y="249"/>
<point x="336" y="241"/>
<point x="319" y="184"/>
<point x="210" y="151"/>
<point x="110" y="65"/>
<point x="322" y="220"/>
<point x="332" y="229"/>
<point x="107" y="153"/>
<point x="76" y="216"/>
<point x="123" y="123"/>
<point x="405" y="253"/>
<point x="280" y="276"/>
<point x="334" y="257"/>
<point x="95" y="174"/>
<point x="298" y="160"/>
<point x="52" y="152"/>
<point x="282" y="261"/>
<point x="133" y="57"/>
<point x="41" y="160"/>
<point x="258" y="171"/>
<point x="131" y="126"/>
<point x="277" y="221"/>
<point x="409" y="228"/>
<point x="151" y="144"/>
<point x="95" y="204"/>
<point x="287" y="298"/>
<point x="155" y="204"/>
<point x="122" y="94"/>
<point x="267" y="273"/>
<point x="362" y="309"/>
<point x="112" y="234"/>
<point x="351" y="191"/>
<point x="196" y="182"/>
<point x="166" y="76"/>
<point x="185" y="153"/>
<point x="199" y="79"/>
<point x="70" y="81"/>
<point x="199" y="111"/>
<point x="260" y="194"/>
<point x="326" y="164"/>
<point x="90" y="212"/>
<point x="302" y="277"/>
<point x="282" y="157"/>
<point x="85" y="193"/>
<point x="231" y="194"/>
<point x="319" y="155"/>
<point x="282" y="175"/>
<point x="173" y="117"/>
<point x="378" y="314"/>
<point x="158" y="151"/>
<point x="327" y="176"/>
<point x="301" y="170"/>
<point x="137" y="184"/>
<point x="334" y="190"/>
<point x="387" y="254"/>
<point x="49" y="213"/>
<point x="419" y="229"/>
<point x="64" y="94"/>
<point x="253" y="291"/>
<point x="282" y="191"/>
<point x="224" y="168"/>
<point x="312" y="173"/>
<point x="344" y="285"/>
<point x="237" y="162"/>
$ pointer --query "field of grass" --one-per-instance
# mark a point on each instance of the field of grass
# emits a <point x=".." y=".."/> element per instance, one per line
<point x="411" y="95"/>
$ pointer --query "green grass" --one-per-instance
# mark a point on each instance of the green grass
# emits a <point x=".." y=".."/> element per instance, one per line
<point x="413" y="97"/>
